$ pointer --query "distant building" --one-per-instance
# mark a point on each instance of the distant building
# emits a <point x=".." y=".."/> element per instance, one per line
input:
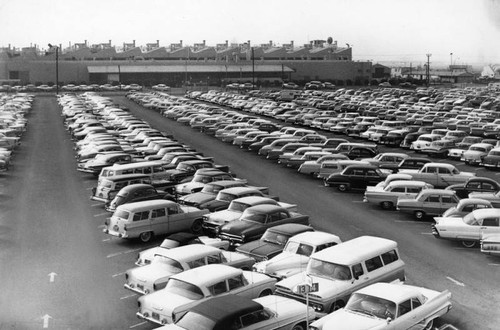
<point x="491" y="71"/>
<point x="178" y="64"/>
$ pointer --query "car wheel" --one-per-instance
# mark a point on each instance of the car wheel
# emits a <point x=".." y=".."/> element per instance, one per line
<point x="146" y="236"/>
<point x="429" y="325"/>
<point x="387" y="205"/>
<point x="469" y="244"/>
<point x="336" y="306"/>
<point x="419" y="215"/>
<point x="300" y="326"/>
<point x="266" y="292"/>
<point x="342" y="187"/>
<point x="196" y="227"/>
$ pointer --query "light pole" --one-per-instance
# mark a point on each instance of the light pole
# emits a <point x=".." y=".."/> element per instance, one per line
<point x="451" y="60"/>
<point x="57" y="66"/>
<point x="428" y="69"/>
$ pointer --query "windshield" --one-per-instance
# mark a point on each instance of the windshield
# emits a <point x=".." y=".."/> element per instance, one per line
<point x="202" y="178"/>
<point x="222" y="196"/>
<point x="299" y="248"/>
<point x="275" y="238"/>
<point x="237" y="206"/>
<point x="122" y="214"/>
<point x="255" y="217"/>
<point x="370" y="305"/>
<point x="211" y="188"/>
<point x="172" y="265"/>
<point x="477" y="149"/>
<point x="471" y="220"/>
<point x="184" y="289"/>
<point x="328" y="270"/>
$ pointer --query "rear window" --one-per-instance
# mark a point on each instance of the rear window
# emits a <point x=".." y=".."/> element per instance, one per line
<point x="390" y="257"/>
<point x="122" y="214"/>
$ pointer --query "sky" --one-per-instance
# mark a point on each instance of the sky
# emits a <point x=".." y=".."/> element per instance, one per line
<point x="378" y="30"/>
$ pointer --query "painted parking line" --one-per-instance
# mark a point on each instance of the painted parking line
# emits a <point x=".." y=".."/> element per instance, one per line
<point x="89" y="188"/>
<point x="357" y="201"/>
<point x="498" y="265"/>
<point x="409" y="221"/>
<point x="455" y="281"/>
<point x="138" y="324"/>
<point x="426" y="233"/>
<point x="100" y="214"/>
<point x="129" y="296"/>
<point x="97" y="204"/>
<point x="118" y="274"/>
<point x="355" y="228"/>
<point x="122" y="252"/>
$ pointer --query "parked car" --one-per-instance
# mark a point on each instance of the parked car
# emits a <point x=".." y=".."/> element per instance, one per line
<point x="409" y="163"/>
<point x="192" y="287"/>
<point x="490" y="244"/>
<point x="492" y="197"/>
<point x="236" y="312"/>
<point x="213" y="221"/>
<point x="312" y="167"/>
<point x="475" y="184"/>
<point x="149" y="218"/>
<point x="295" y="255"/>
<point x="388" y="306"/>
<point x="200" y="179"/>
<point x="476" y="153"/>
<point x="387" y="197"/>
<point x="136" y="193"/>
<point x="272" y="241"/>
<point x="355" y="177"/>
<point x="492" y="159"/>
<point x="209" y="192"/>
<point x="469" y="229"/>
<point x="256" y="220"/>
<point x="95" y="165"/>
<point x="439" y="148"/>
<point x="225" y="196"/>
<point x="467" y="205"/>
<point x="167" y="262"/>
<point x="428" y="202"/>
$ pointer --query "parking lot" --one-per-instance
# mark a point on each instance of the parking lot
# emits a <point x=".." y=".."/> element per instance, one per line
<point x="60" y="271"/>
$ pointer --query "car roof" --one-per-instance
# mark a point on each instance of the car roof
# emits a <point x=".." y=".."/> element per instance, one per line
<point x="208" y="274"/>
<point x="237" y="190"/>
<point x="255" y="200"/>
<point x="391" y="291"/>
<point x="146" y="204"/>
<point x="224" y="309"/>
<point x="315" y="237"/>
<point x="291" y="228"/>
<point x="264" y="208"/>
<point x="190" y="252"/>
<point x="135" y="186"/>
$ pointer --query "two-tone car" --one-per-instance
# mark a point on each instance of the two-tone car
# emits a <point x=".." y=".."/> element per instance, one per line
<point x="236" y="312"/>
<point x="469" y="229"/>
<point x="167" y="262"/>
<point x="429" y="202"/>
<point x="256" y="220"/>
<point x="179" y="239"/>
<point x="192" y="287"/>
<point x="356" y="177"/>
<point x="387" y="197"/>
<point x="388" y="306"/>
<point x="295" y="256"/>
<point x="466" y="206"/>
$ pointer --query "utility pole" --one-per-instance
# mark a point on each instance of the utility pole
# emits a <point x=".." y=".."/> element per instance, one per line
<point x="428" y="71"/>
<point x="253" y="70"/>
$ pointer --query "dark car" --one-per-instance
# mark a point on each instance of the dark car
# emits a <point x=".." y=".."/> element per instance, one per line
<point x="136" y="193"/>
<point x="273" y="241"/>
<point x="209" y="192"/>
<point x="356" y="177"/>
<point x="256" y="220"/>
<point x="263" y="142"/>
<point x="103" y="160"/>
<point x="408" y="139"/>
<point x="361" y="152"/>
<point x="475" y="184"/>
<point x="268" y="127"/>
<point x="357" y="129"/>
<point x="187" y="169"/>
<point x="226" y="196"/>
<point x="393" y="138"/>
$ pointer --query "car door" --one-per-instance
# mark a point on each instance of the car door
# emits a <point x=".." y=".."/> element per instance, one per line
<point x="410" y="315"/>
<point x="432" y="204"/>
<point x="357" y="178"/>
<point x="159" y="221"/>
<point x="371" y="178"/>
<point x="447" y="201"/>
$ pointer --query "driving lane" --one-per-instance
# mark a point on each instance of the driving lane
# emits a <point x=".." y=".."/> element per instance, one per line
<point x="470" y="276"/>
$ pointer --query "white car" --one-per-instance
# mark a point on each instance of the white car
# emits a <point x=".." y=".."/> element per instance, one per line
<point x="476" y="152"/>
<point x="424" y="141"/>
<point x="295" y="255"/>
<point x="179" y="239"/>
<point x="490" y="244"/>
<point x="236" y="312"/>
<point x="189" y="288"/>
<point x="388" y="306"/>
<point x="469" y="229"/>
<point x="387" y="197"/>
<point x="153" y="277"/>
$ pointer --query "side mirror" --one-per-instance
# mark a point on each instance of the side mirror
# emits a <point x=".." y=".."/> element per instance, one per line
<point x="389" y="320"/>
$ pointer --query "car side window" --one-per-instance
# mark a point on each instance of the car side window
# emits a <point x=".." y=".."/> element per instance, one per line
<point x="357" y="270"/>
<point x="432" y="199"/>
<point x="213" y="259"/>
<point x="236" y="282"/>
<point x="218" y="288"/>
<point x="468" y="208"/>
<point x="373" y="263"/>
<point x="144" y="215"/>
<point x="447" y="199"/>
<point x="172" y="210"/>
<point x="490" y="222"/>
<point x="398" y="189"/>
<point x="371" y="172"/>
<point x="389" y="257"/>
<point x="488" y="186"/>
<point x="415" y="303"/>
<point x="474" y="185"/>
<point x="158" y="213"/>
<point x="197" y="263"/>
<point x="404" y="308"/>
<point x="413" y="190"/>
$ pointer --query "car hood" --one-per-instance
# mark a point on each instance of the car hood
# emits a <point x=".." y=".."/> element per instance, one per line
<point x="198" y="198"/>
<point x="260" y="248"/>
<point x="151" y="272"/>
<point x="283" y="263"/>
<point x="164" y="301"/>
<point x="240" y="227"/>
<point x="346" y="320"/>
<point x="188" y="187"/>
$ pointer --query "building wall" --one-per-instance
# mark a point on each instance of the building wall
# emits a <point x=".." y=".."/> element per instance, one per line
<point x="38" y="71"/>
